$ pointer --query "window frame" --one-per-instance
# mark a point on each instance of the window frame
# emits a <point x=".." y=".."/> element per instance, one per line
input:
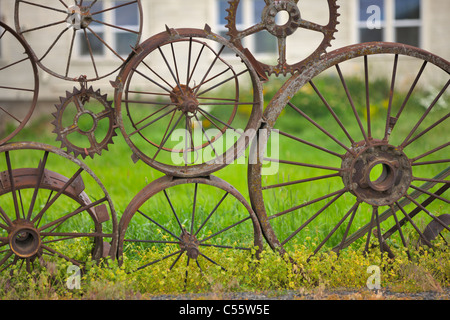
<point x="390" y="24"/>
<point x="248" y="19"/>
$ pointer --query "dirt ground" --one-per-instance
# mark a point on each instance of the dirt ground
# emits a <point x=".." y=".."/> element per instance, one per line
<point x="316" y="294"/>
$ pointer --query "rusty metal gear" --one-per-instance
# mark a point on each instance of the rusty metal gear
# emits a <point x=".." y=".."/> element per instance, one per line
<point x="281" y="32"/>
<point x="78" y="115"/>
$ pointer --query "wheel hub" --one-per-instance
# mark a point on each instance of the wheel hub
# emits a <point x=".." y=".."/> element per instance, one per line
<point x="24" y="239"/>
<point x="79" y="17"/>
<point x="269" y="18"/>
<point x="185" y="98"/>
<point x="190" y="244"/>
<point x="378" y="174"/>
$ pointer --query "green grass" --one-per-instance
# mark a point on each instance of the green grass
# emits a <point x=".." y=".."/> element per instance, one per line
<point x="123" y="179"/>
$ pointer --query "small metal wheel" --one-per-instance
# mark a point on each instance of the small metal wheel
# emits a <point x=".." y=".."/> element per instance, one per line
<point x="178" y="223"/>
<point x="84" y="122"/>
<point x="59" y="31"/>
<point x="16" y="60"/>
<point x="52" y="207"/>
<point x="281" y="30"/>
<point x="188" y="102"/>
<point x="359" y="156"/>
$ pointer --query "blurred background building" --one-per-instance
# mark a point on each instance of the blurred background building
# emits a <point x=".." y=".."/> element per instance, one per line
<point x="421" y="23"/>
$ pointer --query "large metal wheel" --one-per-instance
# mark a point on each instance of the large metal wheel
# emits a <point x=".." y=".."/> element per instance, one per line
<point x="52" y="207"/>
<point x="60" y="31"/>
<point x="361" y="158"/>
<point x="188" y="102"/>
<point x="16" y="60"/>
<point x="188" y="223"/>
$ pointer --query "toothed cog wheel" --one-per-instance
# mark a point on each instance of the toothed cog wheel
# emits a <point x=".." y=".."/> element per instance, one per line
<point x="281" y="32"/>
<point x="84" y="122"/>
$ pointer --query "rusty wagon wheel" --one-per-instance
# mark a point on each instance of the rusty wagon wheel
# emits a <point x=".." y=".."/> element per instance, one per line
<point x="294" y="20"/>
<point x="16" y="60"/>
<point x="188" y="225"/>
<point x="188" y="102"/>
<point x="61" y="33"/>
<point x="363" y="151"/>
<point x="52" y="208"/>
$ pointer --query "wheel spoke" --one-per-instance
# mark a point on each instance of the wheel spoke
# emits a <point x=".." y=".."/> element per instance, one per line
<point x="339" y="192"/>
<point x="225" y="229"/>
<point x="355" y="112"/>
<point x="91" y="54"/>
<point x="45" y="7"/>
<point x="59" y="193"/>
<point x="41" y="168"/>
<point x="278" y="185"/>
<point x="389" y="122"/>
<point x="160" y="226"/>
<point x="173" y="209"/>
<point x="105" y="44"/>
<point x="193" y="208"/>
<point x="113" y="8"/>
<point x="69" y="215"/>
<point x="211" y="213"/>
<point x="352" y="211"/>
<point x="313" y="217"/>
<point x="366" y="83"/>
<point x="209" y="69"/>
<point x="13" y="188"/>
<point x="425" y="114"/>
<point x="320" y="128"/>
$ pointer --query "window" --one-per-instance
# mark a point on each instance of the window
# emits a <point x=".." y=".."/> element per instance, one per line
<point x="249" y="13"/>
<point x="407" y="21"/>
<point x="371" y="20"/>
<point x="390" y="20"/>
<point x="112" y="27"/>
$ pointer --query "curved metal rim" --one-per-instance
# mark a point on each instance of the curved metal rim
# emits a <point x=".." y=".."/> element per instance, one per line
<point x="28" y="51"/>
<point x="238" y="148"/>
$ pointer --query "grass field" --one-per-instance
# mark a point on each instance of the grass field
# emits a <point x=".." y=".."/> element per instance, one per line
<point x="123" y="179"/>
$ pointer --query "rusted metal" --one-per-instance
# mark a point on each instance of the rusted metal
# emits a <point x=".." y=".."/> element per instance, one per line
<point x="178" y="100"/>
<point x="8" y="115"/>
<point x="77" y="19"/>
<point x="80" y="100"/>
<point x="434" y="229"/>
<point x="391" y="189"/>
<point x="281" y="32"/>
<point x="29" y="228"/>
<point x="191" y="239"/>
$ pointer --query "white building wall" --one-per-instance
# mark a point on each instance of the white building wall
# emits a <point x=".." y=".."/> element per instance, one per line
<point x="196" y="13"/>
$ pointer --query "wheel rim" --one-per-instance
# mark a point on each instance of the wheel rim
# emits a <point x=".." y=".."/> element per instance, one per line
<point x="46" y="215"/>
<point x="201" y="84"/>
<point x="183" y="231"/>
<point x="387" y="199"/>
<point x="12" y="121"/>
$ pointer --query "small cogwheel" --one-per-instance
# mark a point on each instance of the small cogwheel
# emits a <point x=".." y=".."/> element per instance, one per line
<point x="281" y="32"/>
<point x="84" y="122"/>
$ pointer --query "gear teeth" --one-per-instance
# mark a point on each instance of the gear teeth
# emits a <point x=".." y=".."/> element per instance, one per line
<point x="236" y="35"/>
<point x="85" y="94"/>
